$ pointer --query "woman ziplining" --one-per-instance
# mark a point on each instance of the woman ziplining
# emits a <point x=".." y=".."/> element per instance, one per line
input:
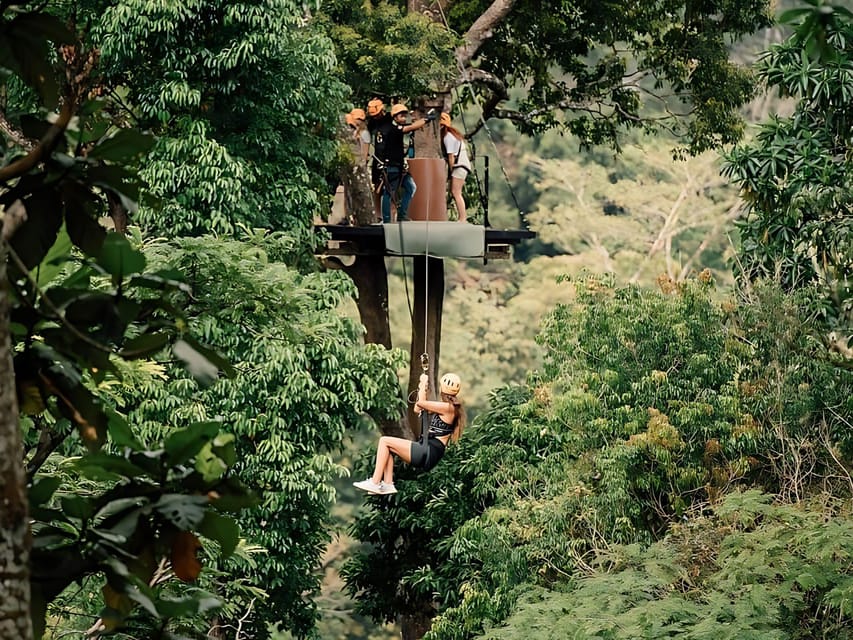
<point x="446" y="425"/>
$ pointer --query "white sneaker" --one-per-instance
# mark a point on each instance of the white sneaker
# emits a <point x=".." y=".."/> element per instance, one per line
<point x="368" y="485"/>
<point x="387" y="489"/>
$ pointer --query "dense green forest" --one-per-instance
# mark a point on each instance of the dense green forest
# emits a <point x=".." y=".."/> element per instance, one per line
<point x="658" y="384"/>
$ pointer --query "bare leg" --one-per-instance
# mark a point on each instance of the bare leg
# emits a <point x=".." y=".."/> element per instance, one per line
<point x="388" y="445"/>
<point x="456" y="192"/>
<point x="388" y="473"/>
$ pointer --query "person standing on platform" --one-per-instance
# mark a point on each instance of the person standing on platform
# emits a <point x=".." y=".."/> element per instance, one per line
<point x="357" y="121"/>
<point x="458" y="164"/>
<point x="377" y="117"/>
<point x="391" y="136"/>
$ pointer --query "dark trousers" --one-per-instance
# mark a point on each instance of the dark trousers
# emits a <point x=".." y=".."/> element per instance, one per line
<point x="394" y="179"/>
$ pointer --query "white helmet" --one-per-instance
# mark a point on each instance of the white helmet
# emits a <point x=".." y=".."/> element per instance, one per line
<point x="450" y="384"/>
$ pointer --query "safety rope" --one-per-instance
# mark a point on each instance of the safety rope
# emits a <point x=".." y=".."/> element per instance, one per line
<point x="387" y="184"/>
<point x="426" y="286"/>
<point x="424" y="413"/>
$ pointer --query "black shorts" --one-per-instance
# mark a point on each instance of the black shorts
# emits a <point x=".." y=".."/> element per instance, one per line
<point x="426" y="456"/>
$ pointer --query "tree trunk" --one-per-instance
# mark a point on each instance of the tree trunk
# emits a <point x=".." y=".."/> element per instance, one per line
<point x="426" y="332"/>
<point x="428" y="139"/>
<point x="14" y="528"/>
<point x="414" y="625"/>
<point x="117" y="212"/>
<point x="429" y="300"/>
<point x="359" y="201"/>
<point x="371" y="279"/>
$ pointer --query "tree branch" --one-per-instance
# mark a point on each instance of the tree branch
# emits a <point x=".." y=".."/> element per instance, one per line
<point x="49" y="440"/>
<point x="78" y="68"/>
<point x="489" y="80"/>
<point x="482" y="29"/>
<point x="14" y="134"/>
<point x="41" y="151"/>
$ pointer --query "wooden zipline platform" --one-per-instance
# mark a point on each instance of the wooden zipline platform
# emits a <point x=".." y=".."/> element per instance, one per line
<point x="417" y="238"/>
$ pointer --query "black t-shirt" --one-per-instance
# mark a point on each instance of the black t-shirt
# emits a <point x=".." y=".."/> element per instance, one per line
<point x="373" y="125"/>
<point x="388" y="143"/>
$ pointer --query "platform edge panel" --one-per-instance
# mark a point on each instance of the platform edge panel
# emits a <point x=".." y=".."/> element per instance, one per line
<point x="372" y="240"/>
<point x="441" y="239"/>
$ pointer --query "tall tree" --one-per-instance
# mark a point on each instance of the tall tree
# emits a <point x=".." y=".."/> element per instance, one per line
<point x="64" y="175"/>
<point x="304" y="380"/>
<point x="57" y="177"/>
<point x="797" y="175"/>
<point x="242" y="99"/>
<point x="589" y="69"/>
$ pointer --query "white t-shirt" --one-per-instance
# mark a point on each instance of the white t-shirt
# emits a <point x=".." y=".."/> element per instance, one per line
<point x="457" y="147"/>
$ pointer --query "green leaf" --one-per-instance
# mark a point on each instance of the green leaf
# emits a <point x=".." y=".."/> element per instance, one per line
<point x="209" y="464"/>
<point x="144" y="345"/>
<point x="55" y="260"/>
<point x="35" y="237"/>
<point x="34" y="127"/>
<point x="81" y="212"/>
<point x="125" y="145"/>
<point x="223" y="446"/>
<point x="118" y="258"/>
<point x="197" y="603"/>
<point x="199" y="366"/>
<point x="790" y="16"/>
<point x="142" y="599"/>
<point x="24" y="49"/>
<point x="105" y="466"/>
<point x="234" y="503"/>
<point x="184" y="444"/>
<point x="185" y="512"/>
<point x="116" y="179"/>
<point x="42" y="489"/>
<point x="163" y="281"/>
<point x="223" y="529"/>
<point x="79" y="279"/>
<point x="203" y="360"/>
<point x="90" y="308"/>
<point x="75" y="401"/>
<point x="76" y="507"/>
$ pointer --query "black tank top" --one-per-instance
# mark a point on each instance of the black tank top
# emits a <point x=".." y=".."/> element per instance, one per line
<point x="438" y="428"/>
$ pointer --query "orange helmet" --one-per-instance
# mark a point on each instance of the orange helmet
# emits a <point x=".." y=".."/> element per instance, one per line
<point x="375" y="107"/>
<point x="353" y="116"/>
<point x="445" y="119"/>
<point x="399" y="108"/>
<point x="450" y="384"/>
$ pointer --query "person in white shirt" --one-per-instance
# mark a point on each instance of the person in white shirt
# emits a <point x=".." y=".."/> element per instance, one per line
<point x="459" y="166"/>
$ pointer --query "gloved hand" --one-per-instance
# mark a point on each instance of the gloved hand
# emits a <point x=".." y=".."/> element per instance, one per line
<point x="431" y="115"/>
<point x="424" y="379"/>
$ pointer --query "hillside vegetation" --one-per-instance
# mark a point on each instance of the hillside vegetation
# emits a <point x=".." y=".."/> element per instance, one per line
<point x="609" y="466"/>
